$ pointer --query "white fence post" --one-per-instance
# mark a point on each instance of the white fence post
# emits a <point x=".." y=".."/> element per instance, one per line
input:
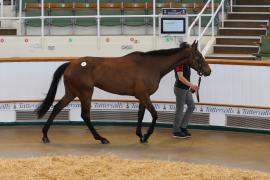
<point x="2" y="8"/>
<point x="42" y="18"/>
<point x="213" y="22"/>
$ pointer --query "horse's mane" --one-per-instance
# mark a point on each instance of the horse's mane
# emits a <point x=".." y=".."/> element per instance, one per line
<point x="166" y="52"/>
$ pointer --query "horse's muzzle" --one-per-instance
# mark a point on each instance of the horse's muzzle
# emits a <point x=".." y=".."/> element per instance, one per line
<point x="207" y="73"/>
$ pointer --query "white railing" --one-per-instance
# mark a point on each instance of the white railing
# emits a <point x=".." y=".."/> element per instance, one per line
<point x="198" y="19"/>
<point x="2" y="8"/>
<point x="98" y="17"/>
<point x="213" y="14"/>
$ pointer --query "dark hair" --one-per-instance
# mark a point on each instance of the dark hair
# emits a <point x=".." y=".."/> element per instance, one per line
<point x="184" y="45"/>
<point x="166" y="52"/>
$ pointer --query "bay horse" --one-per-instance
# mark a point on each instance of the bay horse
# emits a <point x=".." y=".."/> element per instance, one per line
<point x="136" y="74"/>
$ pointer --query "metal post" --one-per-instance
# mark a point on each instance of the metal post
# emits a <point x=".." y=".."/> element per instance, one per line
<point x="154" y="24"/>
<point x="42" y="19"/>
<point x="199" y="33"/>
<point x="222" y="15"/>
<point x="213" y="22"/>
<point x="2" y="8"/>
<point x="98" y="24"/>
<point x="231" y="5"/>
<point x="20" y="18"/>
<point x="98" y="18"/>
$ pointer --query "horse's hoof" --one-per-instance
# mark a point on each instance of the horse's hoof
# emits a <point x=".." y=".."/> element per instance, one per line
<point x="104" y="141"/>
<point x="143" y="140"/>
<point x="45" y="140"/>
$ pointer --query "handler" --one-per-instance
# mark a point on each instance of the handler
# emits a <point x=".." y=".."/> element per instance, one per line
<point x="183" y="89"/>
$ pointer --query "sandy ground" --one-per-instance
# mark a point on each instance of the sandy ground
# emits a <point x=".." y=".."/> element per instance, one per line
<point x="74" y="154"/>
<point x="113" y="167"/>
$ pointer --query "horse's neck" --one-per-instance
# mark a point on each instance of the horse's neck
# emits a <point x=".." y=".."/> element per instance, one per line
<point x="168" y="63"/>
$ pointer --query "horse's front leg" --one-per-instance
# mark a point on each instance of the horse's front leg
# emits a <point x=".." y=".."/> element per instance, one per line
<point x="140" y="119"/>
<point x="145" y="100"/>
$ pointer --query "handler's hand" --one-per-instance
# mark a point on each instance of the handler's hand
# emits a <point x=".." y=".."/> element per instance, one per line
<point x="194" y="88"/>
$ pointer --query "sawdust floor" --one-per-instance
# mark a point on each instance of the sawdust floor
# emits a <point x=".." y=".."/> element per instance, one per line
<point x="74" y="153"/>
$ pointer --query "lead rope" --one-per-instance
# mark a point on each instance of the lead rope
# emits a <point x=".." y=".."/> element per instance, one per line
<point x="199" y="84"/>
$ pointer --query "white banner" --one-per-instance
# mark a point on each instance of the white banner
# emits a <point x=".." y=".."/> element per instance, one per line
<point x="133" y="106"/>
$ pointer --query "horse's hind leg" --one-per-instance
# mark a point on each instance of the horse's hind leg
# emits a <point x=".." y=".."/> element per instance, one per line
<point x="145" y="100"/>
<point x="56" y="109"/>
<point x="140" y="118"/>
<point x="85" y="98"/>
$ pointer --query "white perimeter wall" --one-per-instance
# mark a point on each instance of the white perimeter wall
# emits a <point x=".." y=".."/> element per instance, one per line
<point x="245" y="85"/>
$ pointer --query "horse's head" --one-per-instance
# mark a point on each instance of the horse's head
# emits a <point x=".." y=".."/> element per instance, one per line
<point x="197" y="61"/>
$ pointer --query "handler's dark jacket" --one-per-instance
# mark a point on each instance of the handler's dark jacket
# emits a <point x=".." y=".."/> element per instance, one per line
<point x="186" y="73"/>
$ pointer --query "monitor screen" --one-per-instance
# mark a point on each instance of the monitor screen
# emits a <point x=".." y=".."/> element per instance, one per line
<point x="173" y="25"/>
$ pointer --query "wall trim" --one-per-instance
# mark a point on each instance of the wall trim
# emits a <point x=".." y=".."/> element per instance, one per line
<point x="134" y="123"/>
<point x="62" y="59"/>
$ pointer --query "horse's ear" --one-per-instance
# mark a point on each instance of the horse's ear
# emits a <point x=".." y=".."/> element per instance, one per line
<point x="194" y="45"/>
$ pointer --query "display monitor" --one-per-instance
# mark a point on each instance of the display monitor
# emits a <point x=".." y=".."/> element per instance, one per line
<point x="173" y="26"/>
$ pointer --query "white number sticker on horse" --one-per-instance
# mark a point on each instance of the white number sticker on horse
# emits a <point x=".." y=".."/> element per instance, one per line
<point x="83" y="64"/>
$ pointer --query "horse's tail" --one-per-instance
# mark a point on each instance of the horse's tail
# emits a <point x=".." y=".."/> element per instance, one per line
<point x="48" y="101"/>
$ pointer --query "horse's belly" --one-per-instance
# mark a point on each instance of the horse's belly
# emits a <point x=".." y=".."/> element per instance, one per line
<point x="117" y="88"/>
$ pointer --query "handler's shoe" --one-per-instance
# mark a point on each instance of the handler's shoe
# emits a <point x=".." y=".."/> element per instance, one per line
<point x="180" y="135"/>
<point x="186" y="132"/>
